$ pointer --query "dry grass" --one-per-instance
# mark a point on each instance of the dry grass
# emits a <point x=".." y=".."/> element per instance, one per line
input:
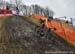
<point x="33" y="20"/>
<point x="27" y="45"/>
<point x="5" y="45"/>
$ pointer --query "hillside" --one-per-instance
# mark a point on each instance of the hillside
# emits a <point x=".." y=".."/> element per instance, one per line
<point x="19" y="36"/>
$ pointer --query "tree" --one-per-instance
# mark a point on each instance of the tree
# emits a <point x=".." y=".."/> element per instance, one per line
<point x="18" y="4"/>
<point x="49" y="12"/>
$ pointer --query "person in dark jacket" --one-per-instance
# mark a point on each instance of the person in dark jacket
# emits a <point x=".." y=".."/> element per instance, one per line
<point x="7" y="7"/>
<point x="17" y="10"/>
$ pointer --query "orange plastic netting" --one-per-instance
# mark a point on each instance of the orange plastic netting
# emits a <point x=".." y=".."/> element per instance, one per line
<point x="61" y="29"/>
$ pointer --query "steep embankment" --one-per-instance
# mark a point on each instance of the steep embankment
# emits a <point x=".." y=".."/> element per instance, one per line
<point x="19" y="36"/>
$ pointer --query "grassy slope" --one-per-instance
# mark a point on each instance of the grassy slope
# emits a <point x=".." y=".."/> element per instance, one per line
<point x="5" y="44"/>
<point x="33" y="20"/>
<point x="4" y="39"/>
<point x="2" y="29"/>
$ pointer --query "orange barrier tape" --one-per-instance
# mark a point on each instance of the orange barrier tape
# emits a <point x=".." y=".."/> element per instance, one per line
<point x="61" y="29"/>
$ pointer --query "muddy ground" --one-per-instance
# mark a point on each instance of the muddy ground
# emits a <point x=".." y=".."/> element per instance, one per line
<point x="21" y="37"/>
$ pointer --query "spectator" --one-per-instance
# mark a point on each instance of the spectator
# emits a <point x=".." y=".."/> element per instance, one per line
<point x="17" y="10"/>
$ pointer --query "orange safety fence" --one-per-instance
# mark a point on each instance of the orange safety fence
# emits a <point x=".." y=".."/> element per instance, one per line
<point x="64" y="31"/>
<point x="61" y="29"/>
